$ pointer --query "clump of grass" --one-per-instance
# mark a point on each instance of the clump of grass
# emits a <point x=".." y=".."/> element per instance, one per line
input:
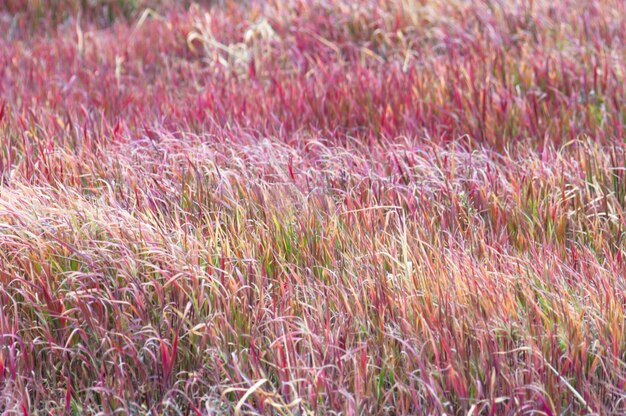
<point x="312" y="208"/>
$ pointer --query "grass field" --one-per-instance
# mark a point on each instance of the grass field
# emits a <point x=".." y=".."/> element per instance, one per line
<point x="290" y="207"/>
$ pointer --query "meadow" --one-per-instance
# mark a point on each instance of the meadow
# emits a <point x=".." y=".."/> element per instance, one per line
<point x="291" y="207"/>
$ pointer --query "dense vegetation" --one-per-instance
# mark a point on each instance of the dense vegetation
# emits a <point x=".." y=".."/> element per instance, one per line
<point x="296" y="207"/>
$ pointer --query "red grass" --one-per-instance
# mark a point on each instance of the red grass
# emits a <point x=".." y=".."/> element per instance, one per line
<point x="381" y="207"/>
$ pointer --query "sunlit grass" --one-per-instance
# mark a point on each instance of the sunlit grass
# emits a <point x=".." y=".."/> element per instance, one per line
<point x="394" y="207"/>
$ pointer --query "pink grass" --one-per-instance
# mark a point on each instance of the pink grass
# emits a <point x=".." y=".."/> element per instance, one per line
<point x="389" y="207"/>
